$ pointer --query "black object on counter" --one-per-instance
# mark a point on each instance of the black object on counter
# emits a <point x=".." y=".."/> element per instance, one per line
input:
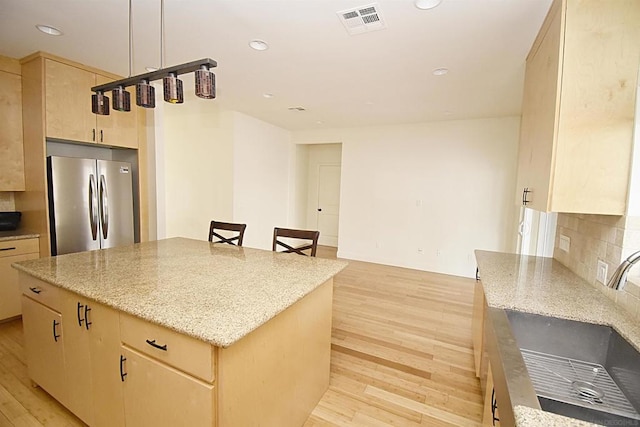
<point x="9" y="220"/>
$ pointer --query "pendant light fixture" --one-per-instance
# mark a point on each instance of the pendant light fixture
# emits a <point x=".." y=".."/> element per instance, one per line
<point x="121" y="98"/>
<point x="205" y="83"/>
<point x="100" y="103"/>
<point x="205" y="80"/>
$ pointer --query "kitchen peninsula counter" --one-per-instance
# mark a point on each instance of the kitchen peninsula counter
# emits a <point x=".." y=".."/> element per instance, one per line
<point x="544" y="286"/>
<point x="180" y="332"/>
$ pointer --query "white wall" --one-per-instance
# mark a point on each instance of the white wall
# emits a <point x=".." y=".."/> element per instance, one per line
<point x="261" y="178"/>
<point x="425" y="196"/>
<point x="196" y="171"/>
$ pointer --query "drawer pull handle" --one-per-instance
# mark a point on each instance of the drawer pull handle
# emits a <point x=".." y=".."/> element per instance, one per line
<point x="158" y="346"/>
<point x="78" y="311"/>
<point x="55" y="336"/>
<point x="8" y="249"/>
<point x="122" y="372"/>
<point x="35" y="290"/>
<point x="87" y="309"/>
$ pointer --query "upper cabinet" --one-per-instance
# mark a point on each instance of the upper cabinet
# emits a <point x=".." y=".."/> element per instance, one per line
<point x="11" y="151"/>
<point x="68" y="109"/>
<point x="578" y="108"/>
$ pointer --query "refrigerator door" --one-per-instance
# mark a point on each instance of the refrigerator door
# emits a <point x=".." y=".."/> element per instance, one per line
<point x="73" y="209"/>
<point x="115" y="194"/>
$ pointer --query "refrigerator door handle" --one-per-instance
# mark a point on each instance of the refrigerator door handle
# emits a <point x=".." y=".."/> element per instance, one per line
<point x="93" y="207"/>
<point x="104" y="207"/>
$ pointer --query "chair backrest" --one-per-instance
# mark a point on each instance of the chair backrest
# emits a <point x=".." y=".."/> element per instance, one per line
<point x="310" y="236"/>
<point x="228" y="226"/>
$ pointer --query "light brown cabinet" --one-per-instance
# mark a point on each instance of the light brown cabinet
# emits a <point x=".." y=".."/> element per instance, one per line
<point x="490" y="413"/>
<point x="156" y="394"/>
<point x="91" y="353"/>
<point x="11" y="147"/>
<point x="578" y="108"/>
<point x="43" y="342"/>
<point x="68" y="109"/>
<point x="73" y="347"/>
<point x="13" y="251"/>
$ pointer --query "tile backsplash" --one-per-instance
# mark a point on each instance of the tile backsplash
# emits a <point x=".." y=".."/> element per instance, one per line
<point x="7" y="203"/>
<point x="606" y="238"/>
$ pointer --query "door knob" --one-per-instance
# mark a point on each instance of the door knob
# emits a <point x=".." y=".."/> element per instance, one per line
<point x="319" y="209"/>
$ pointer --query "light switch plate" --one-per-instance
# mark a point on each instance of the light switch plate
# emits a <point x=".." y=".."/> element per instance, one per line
<point x="601" y="272"/>
<point x="565" y="243"/>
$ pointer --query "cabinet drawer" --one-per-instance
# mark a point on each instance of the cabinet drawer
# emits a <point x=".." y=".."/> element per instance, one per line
<point x="185" y="353"/>
<point x="19" y="247"/>
<point x="40" y="291"/>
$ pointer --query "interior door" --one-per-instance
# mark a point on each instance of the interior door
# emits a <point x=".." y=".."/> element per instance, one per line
<point x="328" y="203"/>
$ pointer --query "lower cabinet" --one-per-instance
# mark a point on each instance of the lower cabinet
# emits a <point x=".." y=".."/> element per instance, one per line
<point x="491" y="415"/>
<point x="155" y="394"/>
<point x="43" y="341"/>
<point x="13" y="251"/>
<point x="91" y="352"/>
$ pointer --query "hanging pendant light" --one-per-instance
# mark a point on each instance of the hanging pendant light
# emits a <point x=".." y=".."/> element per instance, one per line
<point x="173" y="92"/>
<point x="145" y="94"/>
<point x="205" y="83"/>
<point x="121" y="99"/>
<point x="100" y="104"/>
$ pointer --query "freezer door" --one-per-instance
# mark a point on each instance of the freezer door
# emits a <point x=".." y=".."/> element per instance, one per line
<point x="73" y="208"/>
<point x="115" y="194"/>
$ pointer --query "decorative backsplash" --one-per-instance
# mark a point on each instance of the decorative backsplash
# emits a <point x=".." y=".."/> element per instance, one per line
<point x="601" y="237"/>
<point x="7" y="203"/>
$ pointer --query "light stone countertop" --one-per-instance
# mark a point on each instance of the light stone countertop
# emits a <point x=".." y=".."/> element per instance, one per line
<point x="216" y="293"/>
<point x="545" y="286"/>
<point x="17" y="235"/>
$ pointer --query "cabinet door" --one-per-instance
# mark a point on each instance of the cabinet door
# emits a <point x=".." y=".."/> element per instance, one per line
<point x="77" y="363"/>
<point x="119" y="128"/>
<point x="68" y="102"/>
<point x="539" y="115"/>
<point x="158" y="395"/>
<point x="43" y="343"/>
<point x="12" y="158"/>
<point x="10" y="304"/>
<point x="104" y="330"/>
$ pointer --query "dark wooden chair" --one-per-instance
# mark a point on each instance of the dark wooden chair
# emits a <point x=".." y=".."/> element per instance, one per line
<point x="227" y="226"/>
<point x="310" y="236"/>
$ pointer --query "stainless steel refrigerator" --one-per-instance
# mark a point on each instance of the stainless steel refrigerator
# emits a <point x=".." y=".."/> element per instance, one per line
<point x="90" y="204"/>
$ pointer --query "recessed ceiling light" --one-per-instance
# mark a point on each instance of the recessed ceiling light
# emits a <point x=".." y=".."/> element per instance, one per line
<point x="440" y="71"/>
<point x="52" y="31"/>
<point x="258" y="45"/>
<point x="267" y="95"/>
<point x="150" y="69"/>
<point x="427" y="4"/>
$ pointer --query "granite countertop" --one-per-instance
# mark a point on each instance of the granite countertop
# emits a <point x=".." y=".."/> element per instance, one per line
<point x="217" y="293"/>
<point x="17" y="235"/>
<point x="545" y="286"/>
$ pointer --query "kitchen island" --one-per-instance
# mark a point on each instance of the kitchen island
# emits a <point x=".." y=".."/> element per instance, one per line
<point x="180" y="332"/>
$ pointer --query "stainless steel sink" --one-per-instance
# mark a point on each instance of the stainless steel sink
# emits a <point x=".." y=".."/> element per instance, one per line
<point x="578" y="369"/>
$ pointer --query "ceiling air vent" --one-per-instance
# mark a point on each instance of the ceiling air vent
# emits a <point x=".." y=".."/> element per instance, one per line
<point x="362" y="19"/>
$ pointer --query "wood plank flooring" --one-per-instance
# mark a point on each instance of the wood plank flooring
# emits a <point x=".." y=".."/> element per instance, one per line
<point x="401" y="355"/>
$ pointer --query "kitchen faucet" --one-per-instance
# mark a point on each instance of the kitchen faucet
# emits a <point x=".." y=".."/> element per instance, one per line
<point x="619" y="278"/>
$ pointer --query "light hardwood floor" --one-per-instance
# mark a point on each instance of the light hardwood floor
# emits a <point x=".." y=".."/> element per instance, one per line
<point x="401" y="355"/>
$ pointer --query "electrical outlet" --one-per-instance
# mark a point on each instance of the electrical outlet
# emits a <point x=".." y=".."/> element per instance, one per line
<point x="438" y="252"/>
<point x="601" y="272"/>
<point x="565" y="243"/>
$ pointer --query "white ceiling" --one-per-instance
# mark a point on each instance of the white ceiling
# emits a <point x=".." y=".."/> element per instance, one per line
<point x="380" y="77"/>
